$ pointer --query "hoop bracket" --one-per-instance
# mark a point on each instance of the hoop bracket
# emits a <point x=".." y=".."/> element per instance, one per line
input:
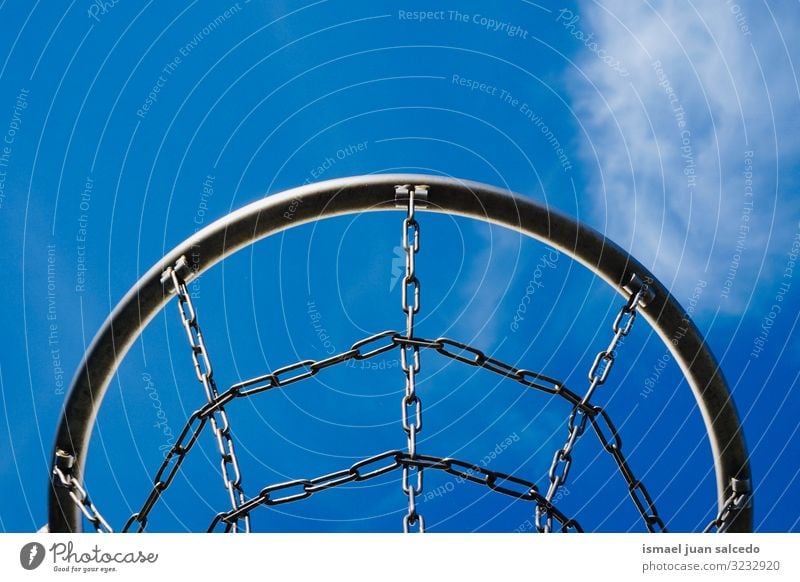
<point x="182" y="269"/>
<point x="401" y="195"/>
<point x="636" y="284"/>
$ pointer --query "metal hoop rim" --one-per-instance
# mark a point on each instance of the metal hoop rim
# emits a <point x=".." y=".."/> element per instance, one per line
<point x="291" y="208"/>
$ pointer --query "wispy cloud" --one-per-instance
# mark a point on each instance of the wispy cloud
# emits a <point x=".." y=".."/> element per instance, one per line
<point x="708" y="97"/>
<point x="487" y="280"/>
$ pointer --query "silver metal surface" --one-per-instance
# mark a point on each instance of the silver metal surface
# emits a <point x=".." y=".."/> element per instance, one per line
<point x="279" y="212"/>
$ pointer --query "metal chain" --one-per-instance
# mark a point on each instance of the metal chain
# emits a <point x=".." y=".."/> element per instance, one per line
<point x="412" y="486"/>
<point x="411" y="410"/>
<point x="62" y="471"/>
<point x="495" y="480"/>
<point x="361" y="350"/>
<point x="281" y="377"/>
<point x="364" y="349"/>
<point x="308" y="368"/>
<point x="371" y="347"/>
<point x="598" y="374"/>
<point x="736" y="501"/>
<point x="169" y="467"/>
<point x="384" y="463"/>
<point x="303" y="488"/>
<point x="613" y="445"/>
<point x="525" y="377"/>
<point x="229" y="464"/>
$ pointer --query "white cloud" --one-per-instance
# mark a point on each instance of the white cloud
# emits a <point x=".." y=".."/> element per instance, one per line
<point x="699" y="66"/>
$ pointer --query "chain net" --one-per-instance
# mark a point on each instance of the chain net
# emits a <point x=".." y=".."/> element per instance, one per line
<point x="409" y="462"/>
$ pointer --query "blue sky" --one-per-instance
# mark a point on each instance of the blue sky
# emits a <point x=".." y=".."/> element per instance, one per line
<point x="670" y="128"/>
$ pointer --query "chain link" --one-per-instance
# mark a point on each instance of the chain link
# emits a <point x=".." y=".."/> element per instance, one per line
<point x="169" y="466"/>
<point x="495" y="480"/>
<point x="612" y="443"/>
<point x="736" y="501"/>
<point x="220" y="426"/>
<point x="363" y="470"/>
<point x="527" y="378"/>
<point x="361" y="350"/>
<point x="409" y="358"/>
<point x="365" y="349"/>
<point x="62" y="472"/>
<point x="598" y="374"/>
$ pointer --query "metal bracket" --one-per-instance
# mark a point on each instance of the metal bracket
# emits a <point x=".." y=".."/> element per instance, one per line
<point x="182" y="269"/>
<point x="741" y="486"/>
<point x="401" y="194"/>
<point x="64" y="461"/>
<point x="634" y="285"/>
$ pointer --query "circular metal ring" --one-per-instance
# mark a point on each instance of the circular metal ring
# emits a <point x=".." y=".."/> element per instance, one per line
<point x="313" y="202"/>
